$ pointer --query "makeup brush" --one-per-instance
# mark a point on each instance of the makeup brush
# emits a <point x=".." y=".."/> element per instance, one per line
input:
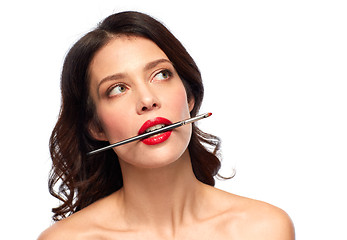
<point x="148" y="134"/>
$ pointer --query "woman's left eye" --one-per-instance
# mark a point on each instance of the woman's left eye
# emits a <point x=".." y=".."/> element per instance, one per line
<point x="163" y="75"/>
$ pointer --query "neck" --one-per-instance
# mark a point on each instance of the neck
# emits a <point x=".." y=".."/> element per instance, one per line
<point x="165" y="197"/>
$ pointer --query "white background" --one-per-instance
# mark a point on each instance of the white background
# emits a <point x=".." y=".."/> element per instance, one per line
<point x="275" y="79"/>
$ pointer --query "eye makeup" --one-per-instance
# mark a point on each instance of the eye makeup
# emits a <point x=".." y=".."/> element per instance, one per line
<point x="119" y="88"/>
<point x="116" y="89"/>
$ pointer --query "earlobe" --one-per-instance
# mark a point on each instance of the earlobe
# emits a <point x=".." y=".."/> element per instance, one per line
<point x="191" y="104"/>
<point x="97" y="132"/>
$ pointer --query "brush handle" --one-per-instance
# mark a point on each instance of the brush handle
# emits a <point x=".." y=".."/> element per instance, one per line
<point x="157" y="131"/>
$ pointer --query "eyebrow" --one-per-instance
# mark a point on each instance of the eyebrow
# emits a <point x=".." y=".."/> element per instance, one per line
<point x="147" y="67"/>
<point x="154" y="63"/>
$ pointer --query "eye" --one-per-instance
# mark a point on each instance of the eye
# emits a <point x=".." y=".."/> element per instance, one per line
<point x="162" y="75"/>
<point x="116" y="90"/>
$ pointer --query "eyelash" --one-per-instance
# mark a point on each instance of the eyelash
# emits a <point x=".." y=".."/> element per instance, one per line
<point x="114" y="87"/>
<point x="167" y="72"/>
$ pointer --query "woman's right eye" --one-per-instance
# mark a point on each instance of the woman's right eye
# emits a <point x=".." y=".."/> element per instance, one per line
<point x="116" y="90"/>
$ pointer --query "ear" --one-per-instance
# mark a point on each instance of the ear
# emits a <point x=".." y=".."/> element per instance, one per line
<point x="96" y="131"/>
<point x="191" y="103"/>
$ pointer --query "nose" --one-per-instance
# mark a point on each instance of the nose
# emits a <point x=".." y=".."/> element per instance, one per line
<point x="147" y="101"/>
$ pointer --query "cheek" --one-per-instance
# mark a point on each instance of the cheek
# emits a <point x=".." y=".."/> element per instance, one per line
<point x="178" y="102"/>
<point x="112" y="122"/>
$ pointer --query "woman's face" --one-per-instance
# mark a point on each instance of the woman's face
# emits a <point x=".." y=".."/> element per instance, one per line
<point x="135" y="88"/>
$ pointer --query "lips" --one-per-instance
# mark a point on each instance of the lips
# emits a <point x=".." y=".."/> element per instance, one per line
<point x="159" y="138"/>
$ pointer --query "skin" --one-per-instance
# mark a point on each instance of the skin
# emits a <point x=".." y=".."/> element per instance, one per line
<point x="161" y="198"/>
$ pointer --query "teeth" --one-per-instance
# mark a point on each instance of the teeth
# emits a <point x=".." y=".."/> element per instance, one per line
<point x="155" y="127"/>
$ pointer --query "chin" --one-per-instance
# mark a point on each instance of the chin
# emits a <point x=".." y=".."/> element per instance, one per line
<point x="141" y="155"/>
<point x="157" y="156"/>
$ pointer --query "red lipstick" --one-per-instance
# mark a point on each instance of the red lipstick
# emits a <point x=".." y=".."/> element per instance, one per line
<point x="168" y="128"/>
<point x="155" y="123"/>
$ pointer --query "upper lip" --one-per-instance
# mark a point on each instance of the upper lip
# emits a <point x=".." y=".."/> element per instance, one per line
<point x="153" y="122"/>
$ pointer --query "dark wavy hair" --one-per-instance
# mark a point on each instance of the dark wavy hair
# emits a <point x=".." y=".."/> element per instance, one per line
<point x="78" y="180"/>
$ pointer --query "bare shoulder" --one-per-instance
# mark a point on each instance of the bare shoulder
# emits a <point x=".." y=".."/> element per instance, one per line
<point x="265" y="221"/>
<point x="247" y="218"/>
<point x="77" y="226"/>
<point x="80" y="225"/>
<point x="55" y="232"/>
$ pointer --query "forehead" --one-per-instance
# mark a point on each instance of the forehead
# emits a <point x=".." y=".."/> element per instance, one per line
<point x="124" y="53"/>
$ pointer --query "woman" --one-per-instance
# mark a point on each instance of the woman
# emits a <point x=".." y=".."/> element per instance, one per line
<point x="128" y="76"/>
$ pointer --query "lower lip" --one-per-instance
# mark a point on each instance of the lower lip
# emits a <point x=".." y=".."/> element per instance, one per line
<point x="162" y="137"/>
